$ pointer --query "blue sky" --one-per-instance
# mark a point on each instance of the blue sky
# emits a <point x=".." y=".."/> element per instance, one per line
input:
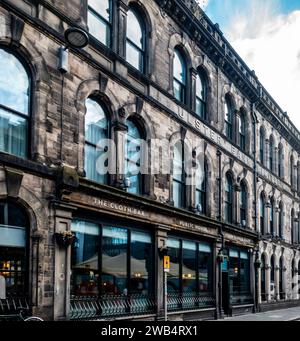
<point x="266" y="34"/>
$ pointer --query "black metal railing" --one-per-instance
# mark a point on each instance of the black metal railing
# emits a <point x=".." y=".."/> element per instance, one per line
<point x="242" y="298"/>
<point x="190" y="301"/>
<point x="91" y="308"/>
<point x="10" y="308"/>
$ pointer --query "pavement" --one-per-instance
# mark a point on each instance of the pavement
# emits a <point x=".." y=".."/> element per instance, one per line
<point x="291" y="314"/>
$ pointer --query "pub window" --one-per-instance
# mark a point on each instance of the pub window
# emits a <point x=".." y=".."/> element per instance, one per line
<point x="100" y="20"/>
<point x="133" y="158"/>
<point x="96" y="139"/>
<point x="262" y="142"/>
<point x="191" y="273"/>
<point x="239" y="276"/>
<point x="262" y="211"/>
<point x="110" y="261"/>
<point x="135" y="40"/>
<point x="179" y="76"/>
<point x="243" y="204"/>
<point x="229" y="199"/>
<point x="272" y="271"/>
<point x="13" y="249"/>
<point x="271" y="154"/>
<point x="242" y="130"/>
<point x="179" y="176"/>
<point x="280" y="222"/>
<point x="201" y="187"/>
<point x="228" y="119"/>
<point x="201" y="96"/>
<point x="15" y="94"/>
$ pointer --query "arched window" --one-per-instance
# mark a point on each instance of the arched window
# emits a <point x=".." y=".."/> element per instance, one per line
<point x="13" y="241"/>
<point x="228" y="118"/>
<point x="179" y="76"/>
<point x="201" y="188"/>
<point x="135" y="41"/>
<point x="96" y="135"/>
<point x="271" y="154"/>
<point x="243" y="205"/>
<point x="201" y="96"/>
<point x="100" y="20"/>
<point x="14" y="105"/>
<point x="280" y="222"/>
<point x="262" y="212"/>
<point x="281" y="278"/>
<point x="179" y="176"/>
<point x="272" y="270"/>
<point x="280" y="160"/>
<point x="263" y="278"/>
<point x="292" y="171"/>
<point x="242" y="130"/>
<point x="133" y="155"/>
<point x="262" y="142"/>
<point x="272" y="217"/>
<point x="292" y="226"/>
<point x="229" y="198"/>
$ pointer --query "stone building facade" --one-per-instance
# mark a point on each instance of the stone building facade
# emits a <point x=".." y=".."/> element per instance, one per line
<point x="233" y="240"/>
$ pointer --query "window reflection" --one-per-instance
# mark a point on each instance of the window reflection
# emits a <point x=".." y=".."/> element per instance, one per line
<point x="13" y="239"/>
<point x="96" y="130"/>
<point x="114" y="261"/>
<point x="99" y="20"/>
<point x="228" y="120"/>
<point x="189" y="267"/>
<point x="178" y="176"/>
<point x="135" y="42"/>
<point x="85" y="262"/>
<point x="179" y="75"/>
<point x="200" y="97"/>
<point x="201" y="188"/>
<point x="133" y="158"/>
<point x="14" y="105"/>
<point x="175" y="259"/>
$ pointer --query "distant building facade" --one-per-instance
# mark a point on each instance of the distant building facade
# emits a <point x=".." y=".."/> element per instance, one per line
<point x="195" y="161"/>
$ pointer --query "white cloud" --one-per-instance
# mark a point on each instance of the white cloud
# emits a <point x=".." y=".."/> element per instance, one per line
<point x="268" y="41"/>
<point x="202" y="3"/>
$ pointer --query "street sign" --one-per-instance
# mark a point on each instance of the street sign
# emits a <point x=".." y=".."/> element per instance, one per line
<point x="166" y="263"/>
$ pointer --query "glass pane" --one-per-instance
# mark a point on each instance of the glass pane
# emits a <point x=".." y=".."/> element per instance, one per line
<point x="95" y="165"/>
<point x="16" y="217"/>
<point x="134" y="56"/>
<point x="200" y="108"/>
<point x="178" y="162"/>
<point x="178" y="91"/>
<point x="85" y="262"/>
<point x="189" y="267"/>
<point x="14" y="84"/>
<point x="13" y="133"/>
<point x="205" y="267"/>
<point x="12" y="236"/>
<point x="96" y="124"/>
<point x="179" y="68"/>
<point x="200" y="88"/>
<point x="141" y="263"/>
<point x="134" y="29"/>
<point x="99" y="28"/>
<point x="174" y="274"/>
<point x="102" y="7"/>
<point x="133" y="157"/>
<point x="178" y="194"/>
<point x="114" y="261"/>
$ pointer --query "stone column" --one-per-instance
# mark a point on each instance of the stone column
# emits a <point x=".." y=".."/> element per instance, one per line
<point x="63" y="214"/>
<point x="268" y="282"/>
<point x="122" y="10"/>
<point x="120" y="132"/>
<point x="161" y="236"/>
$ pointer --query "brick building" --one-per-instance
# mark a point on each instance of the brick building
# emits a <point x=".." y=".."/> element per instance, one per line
<point x="218" y="180"/>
